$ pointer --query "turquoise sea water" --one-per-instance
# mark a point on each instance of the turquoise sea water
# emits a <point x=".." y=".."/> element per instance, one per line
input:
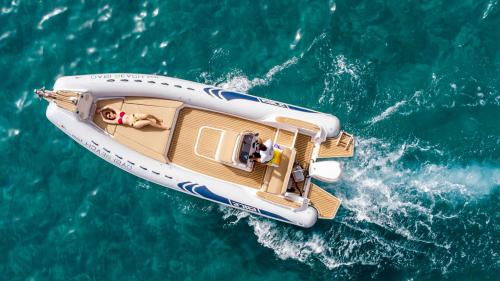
<point x="417" y="83"/>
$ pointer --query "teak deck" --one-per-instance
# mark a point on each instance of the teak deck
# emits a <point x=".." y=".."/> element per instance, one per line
<point x="181" y="150"/>
<point x="149" y="141"/>
<point x="278" y="199"/>
<point x="336" y="147"/>
<point x="326" y="204"/>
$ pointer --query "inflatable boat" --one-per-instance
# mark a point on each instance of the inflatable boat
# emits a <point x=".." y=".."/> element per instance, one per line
<point x="206" y="147"/>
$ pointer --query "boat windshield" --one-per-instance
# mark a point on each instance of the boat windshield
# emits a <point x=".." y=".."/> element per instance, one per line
<point x="248" y="146"/>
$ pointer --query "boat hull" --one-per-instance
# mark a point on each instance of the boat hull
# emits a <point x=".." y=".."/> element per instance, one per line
<point x="172" y="176"/>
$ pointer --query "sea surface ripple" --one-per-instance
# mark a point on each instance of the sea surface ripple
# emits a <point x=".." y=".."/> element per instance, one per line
<point x="417" y="82"/>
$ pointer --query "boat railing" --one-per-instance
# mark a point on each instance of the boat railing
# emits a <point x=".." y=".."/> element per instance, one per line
<point x="77" y="102"/>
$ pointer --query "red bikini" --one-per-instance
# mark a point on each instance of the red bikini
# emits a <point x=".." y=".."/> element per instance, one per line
<point x="120" y="120"/>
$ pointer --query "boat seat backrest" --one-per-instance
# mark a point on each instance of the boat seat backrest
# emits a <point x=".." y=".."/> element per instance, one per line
<point x="217" y="144"/>
<point x="226" y="147"/>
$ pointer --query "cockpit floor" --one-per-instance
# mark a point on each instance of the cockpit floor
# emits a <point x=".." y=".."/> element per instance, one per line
<point x="182" y="152"/>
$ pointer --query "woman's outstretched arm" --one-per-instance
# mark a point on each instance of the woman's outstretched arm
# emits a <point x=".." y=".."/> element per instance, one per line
<point x="113" y="122"/>
<point x="108" y="107"/>
<point x="101" y="109"/>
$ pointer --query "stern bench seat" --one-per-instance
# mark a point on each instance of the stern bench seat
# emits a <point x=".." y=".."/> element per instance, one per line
<point x="276" y="178"/>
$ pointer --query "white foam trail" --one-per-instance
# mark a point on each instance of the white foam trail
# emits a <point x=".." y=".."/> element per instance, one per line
<point x="378" y="192"/>
<point x="239" y="82"/>
<point x="403" y="200"/>
<point x="315" y="41"/>
<point x="230" y="213"/>
<point x="489" y="8"/>
<point x="55" y="12"/>
<point x="390" y="110"/>
<point x="344" y="67"/>
<point x="5" y="35"/>
<point x="307" y="248"/>
<point x="299" y="248"/>
<point x="384" y="188"/>
<point x="337" y="71"/>
<point x="414" y="101"/>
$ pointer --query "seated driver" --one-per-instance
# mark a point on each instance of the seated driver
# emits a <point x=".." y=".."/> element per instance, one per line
<point x="265" y="152"/>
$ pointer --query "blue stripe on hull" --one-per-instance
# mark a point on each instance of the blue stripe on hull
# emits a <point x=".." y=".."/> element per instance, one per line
<point x="229" y="95"/>
<point x="203" y="191"/>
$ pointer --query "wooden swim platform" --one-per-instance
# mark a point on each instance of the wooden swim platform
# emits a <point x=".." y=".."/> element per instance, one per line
<point x="326" y="204"/>
<point x="341" y="146"/>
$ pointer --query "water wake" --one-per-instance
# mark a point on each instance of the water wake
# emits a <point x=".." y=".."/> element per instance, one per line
<point x="390" y="110"/>
<point x="491" y="5"/>
<point x="396" y="209"/>
<point x="237" y="81"/>
<point x="343" y="79"/>
<point x="392" y="213"/>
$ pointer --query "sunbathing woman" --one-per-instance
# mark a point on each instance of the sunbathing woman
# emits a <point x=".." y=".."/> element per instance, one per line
<point x="137" y="120"/>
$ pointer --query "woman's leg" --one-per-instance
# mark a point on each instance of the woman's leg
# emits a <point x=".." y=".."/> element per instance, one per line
<point x="158" y="124"/>
<point x="143" y="116"/>
<point x="154" y="117"/>
<point x="141" y="123"/>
